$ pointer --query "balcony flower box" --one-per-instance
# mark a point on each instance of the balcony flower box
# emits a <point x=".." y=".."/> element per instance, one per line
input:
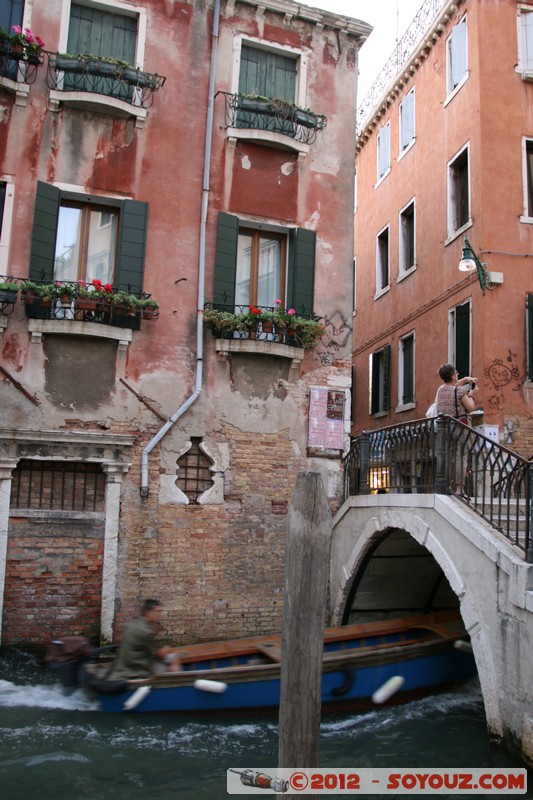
<point x="268" y="324"/>
<point x="8" y="292"/>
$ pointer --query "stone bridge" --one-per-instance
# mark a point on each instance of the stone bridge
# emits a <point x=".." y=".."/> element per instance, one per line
<point x="413" y="552"/>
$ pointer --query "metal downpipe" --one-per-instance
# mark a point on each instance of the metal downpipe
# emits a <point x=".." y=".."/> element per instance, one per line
<point x="201" y="264"/>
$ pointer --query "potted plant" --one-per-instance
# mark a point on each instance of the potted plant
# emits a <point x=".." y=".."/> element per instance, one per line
<point x="307" y="332"/>
<point x="70" y="63"/>
<point x="8" y="291"/>
<point x="149" y="307"/>
<point x="26" y="45"/>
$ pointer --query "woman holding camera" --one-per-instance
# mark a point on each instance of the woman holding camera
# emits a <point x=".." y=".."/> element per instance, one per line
<point x="455" y="399"/>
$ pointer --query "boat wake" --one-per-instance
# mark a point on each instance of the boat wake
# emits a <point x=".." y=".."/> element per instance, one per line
<point x="42" y="696"/>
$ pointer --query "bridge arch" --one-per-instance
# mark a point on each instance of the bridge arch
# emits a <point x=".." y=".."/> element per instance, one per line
<point x="363" y="523"/>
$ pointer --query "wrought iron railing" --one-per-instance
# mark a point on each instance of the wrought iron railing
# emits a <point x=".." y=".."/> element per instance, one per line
<point x="75" y="301"/>
<point x="271" y="114"/>
<point x="444" y="456"/>
<point x="19" y="63"/>
<point x="85" y="73"/>
<point x="263" y="323"/>
<point x="404" y="49"/>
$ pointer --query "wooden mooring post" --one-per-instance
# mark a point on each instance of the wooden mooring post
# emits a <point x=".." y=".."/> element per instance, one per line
<point x="307" y="557"/>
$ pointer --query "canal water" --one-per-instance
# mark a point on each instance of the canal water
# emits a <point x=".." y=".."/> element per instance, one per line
<point x="54" y="747"/>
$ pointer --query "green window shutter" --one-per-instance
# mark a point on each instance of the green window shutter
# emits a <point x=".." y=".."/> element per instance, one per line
<point x="529" y="332"/>
<point x="267" y="74"/>
<point x="301" y="272"/>
<point x="462" y="339"/>
<point x="43" y="240"/>
<point x="385" y="404"/>
<point x="226" y="259"/>
<point x="131" y="245"/>
<point x="102" y="33"/>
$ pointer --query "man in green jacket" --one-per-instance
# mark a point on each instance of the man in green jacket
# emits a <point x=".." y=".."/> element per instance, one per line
<point x="139" y="655"/>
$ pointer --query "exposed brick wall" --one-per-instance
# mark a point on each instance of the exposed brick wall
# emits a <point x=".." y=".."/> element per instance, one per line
<point x="218" y="570"/>
<point x="53" y="579"/>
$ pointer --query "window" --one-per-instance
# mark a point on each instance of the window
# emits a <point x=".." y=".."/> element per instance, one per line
<point x="7" y="193"/>
<point x="384" y="151"/>
<point x="406" y="370"/>
<point x="58" y="485"/>
<point x="457" y="58"/>
<point x="525" y="22"/>
<point x="267" y="73"/>
<point x="86" y="243"/>
<point x="380" y="380"/>
<point x="529" y="337"/>
<point x="527" y="157"/>
<point x="382" y="261"/>
<point x="194" y="471"/>
<point x="3" y="186"/>
<point x="459" y="330"/>
<point x="11" y="13"/>
<point x="73" y="240"/>
<point x="458" y="192"/>
<point x="407" y="238"/>
<point x="407" y="120"/>
<point x="256" y="266"/>
<point x="260" y="268"/>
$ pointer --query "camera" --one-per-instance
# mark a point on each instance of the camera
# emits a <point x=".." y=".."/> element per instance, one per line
<point x="472" y="385"/>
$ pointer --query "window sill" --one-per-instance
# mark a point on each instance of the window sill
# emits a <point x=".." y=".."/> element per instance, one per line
<point x="382" y="178"/>
<point x="21" y="90"/>
<point x="526" y="220"/>
<point x="381" y="292"/>
<point x="406" y="149"/>
<point x="379" y="414"/>
<point x="277" y="140"/>
<point x="405" y="407"/>
<point x="458" y="88"/>
<point x="459" y="232"/>
<point x="226" y="346"/>
<point x="74" y="328"/>
<point x="89" y="101"/>
<point x="405" y="273"/>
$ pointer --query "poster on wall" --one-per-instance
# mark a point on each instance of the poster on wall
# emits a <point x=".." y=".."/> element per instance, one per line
<point x="326" y="418"/>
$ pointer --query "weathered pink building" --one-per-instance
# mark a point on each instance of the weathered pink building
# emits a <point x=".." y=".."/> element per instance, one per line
<point x="144" y="457"/>
<point x="444" y="152"/>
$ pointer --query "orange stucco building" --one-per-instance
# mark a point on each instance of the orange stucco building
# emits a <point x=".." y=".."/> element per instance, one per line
<point x="443" y="152"/>
<point x="196" y="154"/>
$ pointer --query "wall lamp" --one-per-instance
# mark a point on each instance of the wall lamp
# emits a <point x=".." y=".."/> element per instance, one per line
<point x="470" y="262"/>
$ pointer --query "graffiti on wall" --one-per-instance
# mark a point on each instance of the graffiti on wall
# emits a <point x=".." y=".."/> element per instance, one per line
<point x="337" y="335"/>
<point x="502" y="375"/>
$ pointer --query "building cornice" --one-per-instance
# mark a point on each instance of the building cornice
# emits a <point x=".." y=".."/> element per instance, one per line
<point x="405" y="74"/>
<point x="327" y="19"/>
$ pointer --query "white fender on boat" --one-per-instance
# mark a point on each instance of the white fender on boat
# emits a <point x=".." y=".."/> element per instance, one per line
<point x="210" y="686"/>
<point x="388" y="689"/>
<point x="465" y="647"/>
<point x="137" y="697"/>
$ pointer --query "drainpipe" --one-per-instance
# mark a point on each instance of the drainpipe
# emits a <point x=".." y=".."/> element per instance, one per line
<point x="201" y="264"/>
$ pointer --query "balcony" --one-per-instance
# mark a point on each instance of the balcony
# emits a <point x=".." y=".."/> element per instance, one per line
<point x="70" y="302"/>
<point x="19" y="63"/>
<point x="275" y="116"/>
<point x="95" y="82"/>
<point x="261" y="329"/>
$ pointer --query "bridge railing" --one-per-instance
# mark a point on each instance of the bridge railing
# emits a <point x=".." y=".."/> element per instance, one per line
<point x="445" y="456"/>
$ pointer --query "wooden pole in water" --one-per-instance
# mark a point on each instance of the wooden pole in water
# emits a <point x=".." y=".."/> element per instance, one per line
<point x="307" y="556"/>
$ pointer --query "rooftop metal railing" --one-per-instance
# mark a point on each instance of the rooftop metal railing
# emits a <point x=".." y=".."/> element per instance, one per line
<point x="445" y="456"/>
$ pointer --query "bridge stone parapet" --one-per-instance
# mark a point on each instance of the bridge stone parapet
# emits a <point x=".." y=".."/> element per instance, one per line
<point x="492" y="582"/>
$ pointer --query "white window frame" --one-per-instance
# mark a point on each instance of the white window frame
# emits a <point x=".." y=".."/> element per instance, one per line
<point x="451" y="43"/>
<point x="406" y="106"/>
<point x="354" y="299"/>
<point x="524" y="66"/>
<point x="7" y="223"/>
<point x="411" y="404"/>
<point x="454" y="232"/>
<point x="117" y="7"/>
<point x="380" y="148"/>
<point x="380" y="290"/>
<point x="403" y="271"/>
<point x="526" y="216"/>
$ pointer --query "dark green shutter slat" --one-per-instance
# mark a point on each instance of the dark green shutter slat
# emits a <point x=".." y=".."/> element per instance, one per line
<point x="43" y="241"/>
<point x="408" y="371"/>
<point x="374" y="402"/>
<point x="462" y="339"/>
<point x="530" y="337"/>
<point x="131" y="245"/>
<point x="226" y="259"/>
<point x="301" y="272"/>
